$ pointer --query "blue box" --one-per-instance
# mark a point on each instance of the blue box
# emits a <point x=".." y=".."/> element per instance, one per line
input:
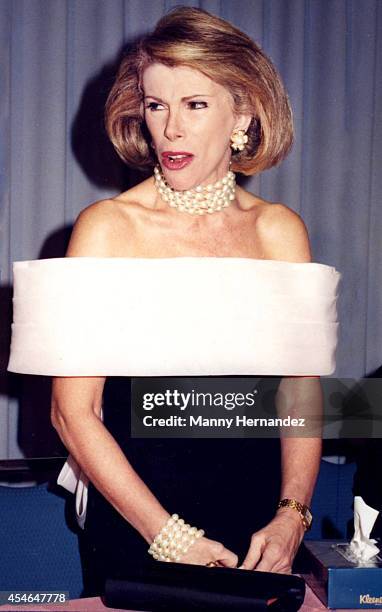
<point x="338" y="582"/>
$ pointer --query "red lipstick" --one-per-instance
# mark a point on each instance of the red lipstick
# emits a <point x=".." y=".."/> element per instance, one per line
<point x="176" y="160"/>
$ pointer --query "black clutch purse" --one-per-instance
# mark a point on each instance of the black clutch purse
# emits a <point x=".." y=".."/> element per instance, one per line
<point x="180" y="587"/>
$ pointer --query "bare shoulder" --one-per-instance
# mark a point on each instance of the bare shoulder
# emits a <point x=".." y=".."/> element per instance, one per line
<point x="92" y="234"/>
<point x="283" y="234"/>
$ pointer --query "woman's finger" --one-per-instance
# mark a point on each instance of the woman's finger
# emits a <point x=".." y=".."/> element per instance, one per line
<point x="254" y="553"/>
<point x="228" y="558"/>
<point x="273" y="558"/>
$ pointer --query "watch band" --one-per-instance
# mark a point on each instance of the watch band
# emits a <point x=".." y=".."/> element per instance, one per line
<point x="304" y="511"/>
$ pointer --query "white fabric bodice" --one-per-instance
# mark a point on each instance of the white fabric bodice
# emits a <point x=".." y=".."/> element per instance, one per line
<point x="191" y="316"/>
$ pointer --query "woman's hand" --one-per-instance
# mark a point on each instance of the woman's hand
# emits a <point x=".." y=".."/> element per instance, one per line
<point x="205" y="550"/>
<point x="274" y="547"/>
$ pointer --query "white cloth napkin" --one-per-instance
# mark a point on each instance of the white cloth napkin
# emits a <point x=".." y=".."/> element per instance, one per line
<point x="74" y="480"/>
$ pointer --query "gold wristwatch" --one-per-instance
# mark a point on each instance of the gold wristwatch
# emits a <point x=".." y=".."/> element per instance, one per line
<point x="304" y="512"/>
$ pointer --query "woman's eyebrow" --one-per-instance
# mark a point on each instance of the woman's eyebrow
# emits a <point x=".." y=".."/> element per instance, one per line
<point x="184" y="99"/>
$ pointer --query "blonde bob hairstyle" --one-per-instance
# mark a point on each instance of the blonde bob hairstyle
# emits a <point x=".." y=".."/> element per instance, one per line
<point x="194" y="38"/>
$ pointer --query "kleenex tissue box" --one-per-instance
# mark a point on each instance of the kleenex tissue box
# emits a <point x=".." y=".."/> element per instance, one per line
<point x="338" y="582"/>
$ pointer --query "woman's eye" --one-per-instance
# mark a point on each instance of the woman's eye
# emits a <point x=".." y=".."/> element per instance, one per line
<point x="196" y="104"/>
<point x="154" y="106"/>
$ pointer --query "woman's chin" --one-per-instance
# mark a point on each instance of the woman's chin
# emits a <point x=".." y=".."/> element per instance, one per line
<point x="185" y="179"/>
<point x="180" y="183"/>
<point x="183" y="187"/>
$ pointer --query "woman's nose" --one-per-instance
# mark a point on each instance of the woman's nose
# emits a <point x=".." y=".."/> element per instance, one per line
<point x="174" y="127"/>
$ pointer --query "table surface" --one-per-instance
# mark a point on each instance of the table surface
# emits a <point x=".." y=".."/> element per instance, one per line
<point x="94" y="604"/>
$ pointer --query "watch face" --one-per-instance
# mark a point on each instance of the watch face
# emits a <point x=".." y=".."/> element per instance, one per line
<point x="308" y="516"/>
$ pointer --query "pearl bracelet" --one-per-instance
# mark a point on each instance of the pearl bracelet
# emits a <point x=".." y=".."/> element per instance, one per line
<point x="174" y="539"/>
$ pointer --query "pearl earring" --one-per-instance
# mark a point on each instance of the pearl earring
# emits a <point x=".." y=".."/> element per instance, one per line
<point x="238" y="140"/>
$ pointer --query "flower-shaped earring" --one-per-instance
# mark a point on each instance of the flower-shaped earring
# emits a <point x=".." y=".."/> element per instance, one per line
<point x="238" y="140"/>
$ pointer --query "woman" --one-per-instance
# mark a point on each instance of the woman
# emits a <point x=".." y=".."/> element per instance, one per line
<point x="198" y="98"/>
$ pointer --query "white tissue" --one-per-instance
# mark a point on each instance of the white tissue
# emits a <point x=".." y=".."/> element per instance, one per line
<point x="362" y="546"/>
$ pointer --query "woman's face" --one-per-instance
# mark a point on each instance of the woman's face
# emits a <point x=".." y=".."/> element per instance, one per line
<point x="190" y="119"/>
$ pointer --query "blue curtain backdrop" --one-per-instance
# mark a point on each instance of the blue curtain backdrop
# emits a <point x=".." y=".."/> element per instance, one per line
<point x="58" y="58"/>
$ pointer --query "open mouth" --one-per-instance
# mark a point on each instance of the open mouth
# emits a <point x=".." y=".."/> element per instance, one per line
<point x="176" y="160"/>
<point x="175" y="157"/>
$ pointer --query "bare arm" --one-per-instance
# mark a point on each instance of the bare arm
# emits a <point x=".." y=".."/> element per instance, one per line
<point x="76" y="407"/>
<point x="287" y="239"/>
<point x="300" y="454"/>
<point x="273" y="548"/>
<point x="75" y="412"/>
<point x="75" y="415"/>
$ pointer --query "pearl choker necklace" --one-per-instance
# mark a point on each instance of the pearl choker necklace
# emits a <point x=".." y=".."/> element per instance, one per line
<point x="199" y="200"/>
